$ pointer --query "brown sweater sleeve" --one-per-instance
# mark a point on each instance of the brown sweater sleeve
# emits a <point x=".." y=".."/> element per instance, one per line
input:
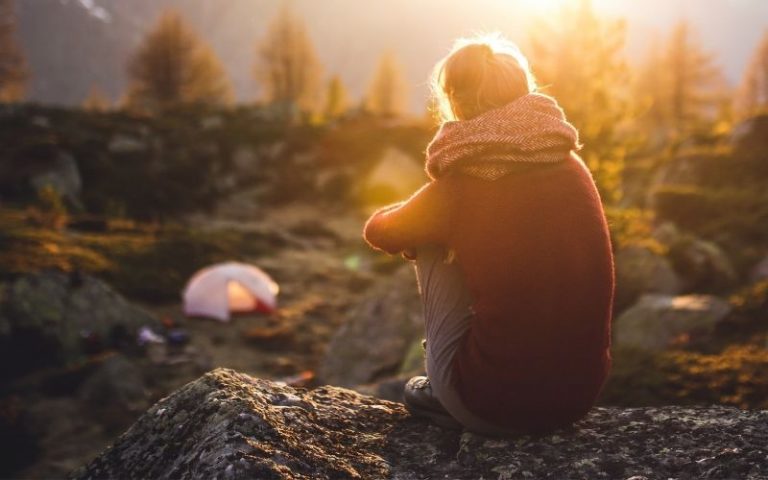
<point x="421" y="220"/>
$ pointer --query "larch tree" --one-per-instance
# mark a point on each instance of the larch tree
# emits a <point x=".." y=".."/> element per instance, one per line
<point x="387" y="93"/>
<point x="692" y="87"/>
<point x="174" y="67"/>
<point x="287" y="66"/>
<point x="648" y="82"/>
<point x="681" y="90"/>
<point x="97" y="100"/>
<point x="13" y="66"/>
<point x="336" y="99"/>
<point x="578" y="57"/>
<point x="753" y="97"/>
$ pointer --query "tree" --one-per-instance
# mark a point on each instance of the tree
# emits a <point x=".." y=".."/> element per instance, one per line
<point x="387" y="95"/>
<point x="97" y="101"/>
<point x="173" y="67"/>
<point x="753" y="97"/>
<point x="694" y="83"/>
<point x="287" y="65"/>
<point x="682" y="90"/>
<point x="336" y="99"/>
<point x="647" y="84"/>
<point x="578" y="58"/>
<point x="13" y="67"/>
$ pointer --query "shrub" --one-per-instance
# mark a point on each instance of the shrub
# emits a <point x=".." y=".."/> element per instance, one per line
<point x="726" y="212"/>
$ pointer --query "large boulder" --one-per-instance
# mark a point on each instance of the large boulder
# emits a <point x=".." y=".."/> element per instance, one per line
<point x="227" y="425"/>
<point x="62" y="175"/>
<point x="395" y="176"/>
<point x="640" y="270"/>
<point x="116" y="391"/>
<point x="54" y="318"/>
<point x="656" y="322"/>
<point x="702" y="265"/>
<point x="377" y="334"/>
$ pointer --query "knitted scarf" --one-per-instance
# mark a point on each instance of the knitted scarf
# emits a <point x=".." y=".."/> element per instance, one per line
<point x="531" y="129"/>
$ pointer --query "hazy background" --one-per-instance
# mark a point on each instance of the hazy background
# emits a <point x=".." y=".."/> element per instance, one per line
<point x="74" y="45"/>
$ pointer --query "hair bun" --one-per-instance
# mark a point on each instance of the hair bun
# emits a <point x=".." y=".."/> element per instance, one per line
<point x="478" y="75"/>
<point x="482" y="51"/>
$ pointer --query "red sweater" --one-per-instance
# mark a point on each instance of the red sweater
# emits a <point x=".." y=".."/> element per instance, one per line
<point x="535" y="253"/>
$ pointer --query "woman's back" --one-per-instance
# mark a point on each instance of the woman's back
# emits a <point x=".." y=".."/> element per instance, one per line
<point x="535" y="253"/>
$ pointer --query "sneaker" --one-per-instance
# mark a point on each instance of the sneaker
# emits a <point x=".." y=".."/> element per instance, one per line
<point x="421" y="402"/>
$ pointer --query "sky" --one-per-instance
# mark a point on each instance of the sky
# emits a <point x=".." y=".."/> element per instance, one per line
<point x="729" y="29"/>
<point x="351" y="35"/>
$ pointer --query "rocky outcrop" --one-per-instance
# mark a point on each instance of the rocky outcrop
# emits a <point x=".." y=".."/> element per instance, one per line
<point x="639" y="271"/>
<point x="53" y="318"/>
<point x="116" y="391"/>
<point x="230" y="426"/>
<point x="656" y="322"/>
<point x="701" y="264"/>
<point x="378" y="332"/>
<point x="62" y="175"/>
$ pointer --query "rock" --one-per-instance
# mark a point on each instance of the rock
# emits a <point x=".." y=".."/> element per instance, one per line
<point x="702" y="265"/>
<point x="122" y="143"/>
<point x="390" y="388"/>
<point x="62" y="175"/>
<point x="639" y="271"/>
<point x="212" y="122"/>
<point x="760" y="271"/>
<point x="666" y="233"/>
<point x="394" y="177"/>
<point x="55" y="318"/>
<point x="41" y="122"/>
<point x="657" y="321"/>
<point x="751" y="134"/>
<point x="245" y="159"/>
<point x="377" y="333"/>
<point x="227" y="425"/>
<point x="115" y="392"/>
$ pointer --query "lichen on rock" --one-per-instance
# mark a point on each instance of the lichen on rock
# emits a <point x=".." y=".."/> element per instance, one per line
<point x="227" y="425"/>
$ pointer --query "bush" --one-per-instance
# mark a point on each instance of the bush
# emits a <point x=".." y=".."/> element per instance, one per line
<point x="736" y="376"/>
<point x="723" y="213"/>
<point x="142" y="262"/>
<point x="632" y="227"/>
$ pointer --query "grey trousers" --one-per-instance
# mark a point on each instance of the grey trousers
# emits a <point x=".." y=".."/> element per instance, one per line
<point x="447" y="316"/>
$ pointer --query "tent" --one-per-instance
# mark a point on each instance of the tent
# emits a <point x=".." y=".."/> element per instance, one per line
<point x="221" y="289"/>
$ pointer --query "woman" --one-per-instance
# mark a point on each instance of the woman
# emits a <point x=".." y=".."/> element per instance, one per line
<point x="512" y="253"/>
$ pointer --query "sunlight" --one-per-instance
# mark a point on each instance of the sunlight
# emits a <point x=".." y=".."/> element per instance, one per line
<point x="240" y="299"/>
<point x="542" y="6"/>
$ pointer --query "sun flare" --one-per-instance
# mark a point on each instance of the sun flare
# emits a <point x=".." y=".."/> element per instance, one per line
<point x="542" y="6"/>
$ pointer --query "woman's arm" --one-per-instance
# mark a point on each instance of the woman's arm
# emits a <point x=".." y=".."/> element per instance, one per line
<point x="420" y="220"/>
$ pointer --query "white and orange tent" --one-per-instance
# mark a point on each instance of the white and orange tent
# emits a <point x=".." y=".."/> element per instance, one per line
<point x="225" y="288"/>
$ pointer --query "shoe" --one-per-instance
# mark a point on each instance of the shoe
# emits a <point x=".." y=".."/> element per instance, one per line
<point x="421" y="402"/>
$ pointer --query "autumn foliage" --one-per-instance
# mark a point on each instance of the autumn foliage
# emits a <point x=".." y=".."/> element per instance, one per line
<point x="174" y="67"/>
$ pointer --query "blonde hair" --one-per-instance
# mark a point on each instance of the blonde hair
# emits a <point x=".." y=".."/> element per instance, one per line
<point x="479" y="74"/>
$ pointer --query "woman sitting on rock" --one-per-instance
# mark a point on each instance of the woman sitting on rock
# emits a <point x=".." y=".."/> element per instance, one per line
<point x="512" y="253"/>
